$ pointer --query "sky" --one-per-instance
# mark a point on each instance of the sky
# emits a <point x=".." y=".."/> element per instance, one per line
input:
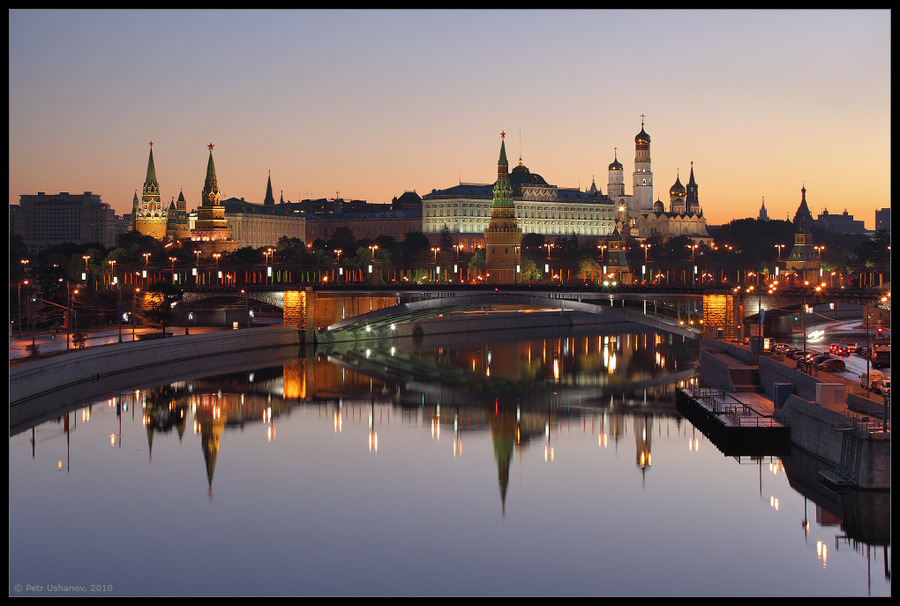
<point x="370" y="104"/>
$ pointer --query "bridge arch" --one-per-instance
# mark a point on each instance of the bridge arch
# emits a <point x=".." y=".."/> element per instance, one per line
<point x="383" y="322"/>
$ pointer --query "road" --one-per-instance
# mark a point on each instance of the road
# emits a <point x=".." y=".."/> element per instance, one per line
<point x="846" y="332"/>
<point x="47" y="344"/>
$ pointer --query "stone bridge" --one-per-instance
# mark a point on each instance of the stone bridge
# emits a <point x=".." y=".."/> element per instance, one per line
<point x="371" y="312"/>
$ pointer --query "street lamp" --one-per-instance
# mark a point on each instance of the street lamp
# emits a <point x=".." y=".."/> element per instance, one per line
<point x="133" y="317"/>
<point x="779" y="247"/>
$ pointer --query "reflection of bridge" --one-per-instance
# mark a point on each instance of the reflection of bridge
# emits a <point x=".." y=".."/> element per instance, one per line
<point x="371" y="312"/>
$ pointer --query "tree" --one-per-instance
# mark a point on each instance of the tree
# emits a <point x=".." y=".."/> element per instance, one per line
<point x="160" y="302"/>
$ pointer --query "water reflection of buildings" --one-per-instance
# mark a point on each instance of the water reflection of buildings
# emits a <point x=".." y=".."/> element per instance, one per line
<point x="348" y="395"/>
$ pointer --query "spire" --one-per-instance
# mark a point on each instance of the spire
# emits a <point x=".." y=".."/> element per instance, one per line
<point x="211" y="185"/>
<point x="270" y="199"/>
<point x="151" y="170"/>
<point x="502" y="189"/>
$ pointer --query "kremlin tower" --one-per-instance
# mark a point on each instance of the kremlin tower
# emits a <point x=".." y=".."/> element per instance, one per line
<point x="148" y="215"/>
<point x="211" y="225"/>
<point x="502" y="237"/>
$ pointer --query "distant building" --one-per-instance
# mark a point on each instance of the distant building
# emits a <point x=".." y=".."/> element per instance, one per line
<point x="259" y="225"/>
<point x="763" y="215"/>
<point x="44" y="220"/>
<point x="883" y="219"/>
<point x="840" y="224"/>
<point x="365" y="220"/>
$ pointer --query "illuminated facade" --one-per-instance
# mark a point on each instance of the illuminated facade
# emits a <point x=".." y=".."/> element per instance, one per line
<point x="148" y="215"/>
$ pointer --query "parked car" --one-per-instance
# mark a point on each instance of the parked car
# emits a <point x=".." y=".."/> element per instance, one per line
<point x="822" y="358"/>
<point x="832" y="365"/>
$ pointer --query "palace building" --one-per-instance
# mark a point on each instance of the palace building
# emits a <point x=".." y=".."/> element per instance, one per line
<point x="465" y="210"/>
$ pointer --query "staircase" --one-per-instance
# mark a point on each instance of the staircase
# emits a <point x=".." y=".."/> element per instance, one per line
<point x="746" y="379"/>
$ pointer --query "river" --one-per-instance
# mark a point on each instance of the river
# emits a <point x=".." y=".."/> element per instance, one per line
<point x="471" y="465"/>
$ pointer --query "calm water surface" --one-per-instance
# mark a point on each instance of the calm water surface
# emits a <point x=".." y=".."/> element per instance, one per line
<point x="546" y="466"/>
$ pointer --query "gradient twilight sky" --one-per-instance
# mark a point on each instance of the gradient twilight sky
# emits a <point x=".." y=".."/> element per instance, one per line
<point x="374" y="103"/>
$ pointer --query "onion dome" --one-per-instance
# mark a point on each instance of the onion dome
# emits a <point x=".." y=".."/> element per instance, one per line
<point x="616" y="165"/>
<point x="677" y="190"/>
<point x="642" y="137"/>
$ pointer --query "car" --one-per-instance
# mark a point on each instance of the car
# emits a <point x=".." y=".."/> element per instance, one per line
<point x="822" y="358"/>
<point x="832" y="365"/>
<point x="874" y="378"/>
<point x="834" y="347"/>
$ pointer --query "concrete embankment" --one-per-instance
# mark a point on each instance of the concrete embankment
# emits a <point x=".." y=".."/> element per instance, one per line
<point x="816" y="411"/>
<point x="37" y="385"/>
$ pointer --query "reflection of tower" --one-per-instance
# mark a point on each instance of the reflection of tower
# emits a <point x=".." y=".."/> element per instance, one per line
<point x="642" y="428"/>
<point x="210" y="423"/>
<point x="503" y="433"/>
<point x="503" y="237"/>
<point x="643" y="177"/>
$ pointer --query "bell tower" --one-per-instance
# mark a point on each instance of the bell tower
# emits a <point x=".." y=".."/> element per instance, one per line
<point x="643" y="176"/>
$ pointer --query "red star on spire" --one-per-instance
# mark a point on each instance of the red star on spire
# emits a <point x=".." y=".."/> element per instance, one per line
<point x="210" y="146"/>
<point x="151" y="144"/>
<point x="502" y="135"/>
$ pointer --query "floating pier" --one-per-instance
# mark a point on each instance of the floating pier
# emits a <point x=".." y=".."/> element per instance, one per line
<point x="738" y="424"/>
